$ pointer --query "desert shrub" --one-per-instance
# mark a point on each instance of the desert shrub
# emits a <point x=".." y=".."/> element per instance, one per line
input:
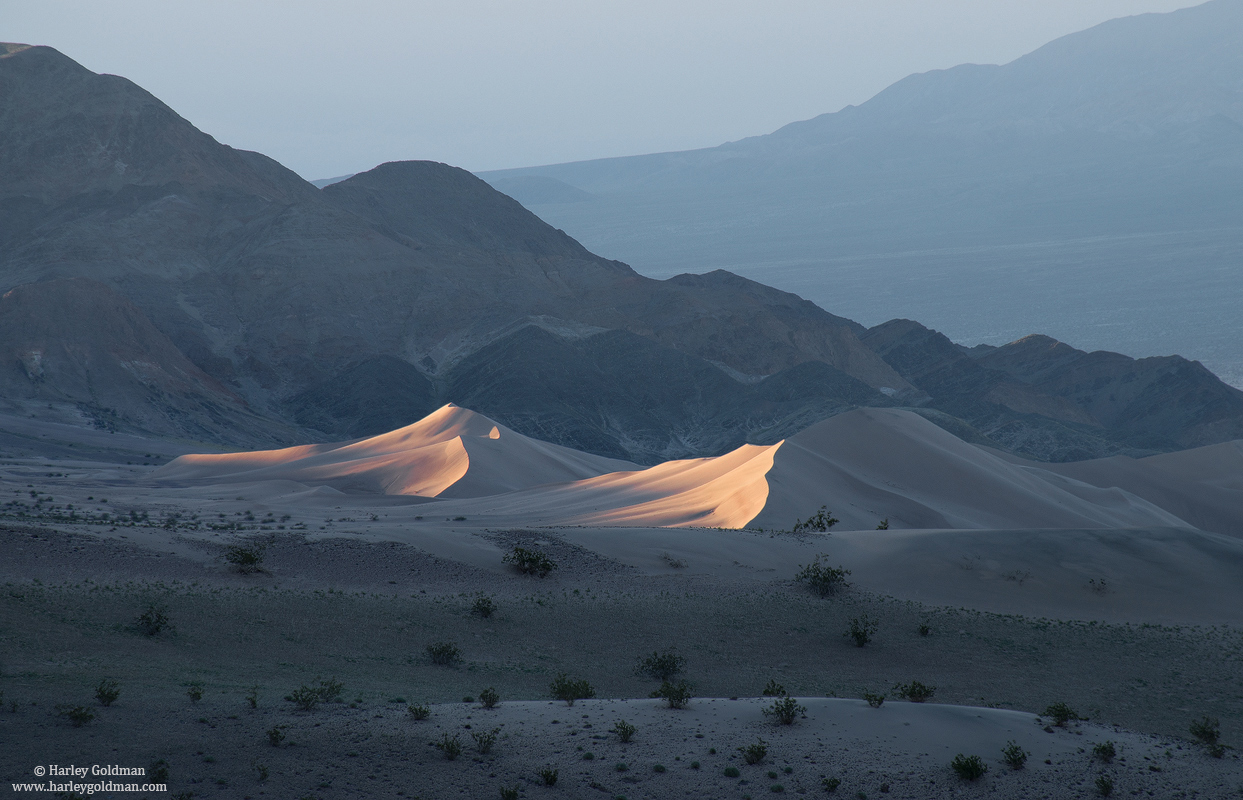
<point x="754" y="753"/>
<point x="883" y="525"/>
<point x="549" y="776"/>
<point x="245" y="559"/>
<point x="785" y="710"/>
<point x="821" y="578"/>
<point x="153" y="621"/>
<point x="1061" y="713"/>
<point x="195" y="692"/>
<point x="252" y="696"/>
<point x="774" y="689"/>
<point x="77" y="715"/>
<point x="624" y="730"/>
<point x="776" y="788"/>
<point x="329" y="691"/>
<point x="444" y="653"/>
<point x="916" y="692"/>
<point x="820" y="522"/>
<point x="661" y="666"/>
<point x="262" y="770"/>
<point x="450" y="746"/>
<point x="158" y="771"/>
<point x="1207" y="731"/>
<point x="484" y="740"/>
<point x="924" y="629"/>
<point x="276" y="735"/>
<point x="1104" y="785"/>
<point x="484" y="606"/>
<point x="564" y="688"/>
<point x="488" y="698"/>
<point x="862" y="628"/>
<point x="304" y="697"/>
<point x="1014" y="756"/>
<point x="107" y="692"/>
<point x="659" y="768"/>
<point x="530" y="561"/>
<point x="694" y="765"/>
<point x="830" y="784"/>
<point x="677" y="695"/>
<point x="732" y="772"/>
<point x="509" y="793"/>
<point x="419" y="712"/>
<point x="969" y="768"/>
<point x="873" y="699"/>
<point x="620" y="767"/>
<point x="1105" y="751"/>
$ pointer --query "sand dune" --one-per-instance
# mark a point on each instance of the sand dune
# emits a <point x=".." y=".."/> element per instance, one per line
<point x="452" y="452"/>
<point x="865" y="466"/>
<point x="872" y="464"/>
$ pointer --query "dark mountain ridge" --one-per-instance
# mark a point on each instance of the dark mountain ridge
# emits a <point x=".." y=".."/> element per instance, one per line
<point x="270" y="310"/>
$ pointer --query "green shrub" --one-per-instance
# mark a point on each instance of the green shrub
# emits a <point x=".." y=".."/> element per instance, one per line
<point x="830" y="784"/>
<point x="924" y="629"/>
<point x="419" y="712"/>
<point x="662" y="666"/>
<point x="777" y="788"/>
<point x="1014" y="756"/>
<point x="195" y="692"/>
<point x="107" y="692"/>
<point x="549" y="776"/>
<point x="754" y="753"/>
<point x="484" y="740"/>
<point x="774" y="689"/>
<point x="252" y="696"/>
<point x="530" y="561"/>
<point x="77" y="715"/>
<point x="484" y="606"/>
<point x="874" y="700"/>
<point x="694" y="765"/>
<point x="1104" y="785"/>
<point x="444" y="653"/>
<point x="620" y="767"/>
<point x="1105" y="751"/>
<point x="732" y="772"/>
<point x="883" y="525"/>
<point x="916" y="692"/>
<point x="153" y="621"/>
<point x="304" y="697"/>
<point x="488" y="698"/>
<point x="245" y="559"/>
<point x="276" y="735"/>
<point x="624" y="730"/>
<point x="1207" y="732"/>
<point x="861" y="630"/>
<point x="785" y="710"/>
<point x="450" y="746"/>
<point x="1061" y="714"/>
<point x="659" y="768"/>
<point x="158" y="772"/>
<point x="509" y="793"/>
<point x="563" y="688"/>
<point x="677" y="695"/>
<point x="821" y="578"/>
<point x="969" y="768"/>
<point x="820" y="522"/>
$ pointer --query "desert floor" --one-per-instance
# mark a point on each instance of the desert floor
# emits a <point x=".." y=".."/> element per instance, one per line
<point x="1138" y="631"/>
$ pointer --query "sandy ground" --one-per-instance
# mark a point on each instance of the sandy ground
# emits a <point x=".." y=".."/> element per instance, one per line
<point x="1137" y="628"/>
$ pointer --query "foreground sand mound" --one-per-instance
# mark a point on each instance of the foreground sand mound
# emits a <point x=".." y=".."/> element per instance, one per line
<point x="452" y="452"/>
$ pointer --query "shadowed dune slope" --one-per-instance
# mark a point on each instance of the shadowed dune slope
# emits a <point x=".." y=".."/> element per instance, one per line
<point x="872" y="464"/>
<point x="452" y="452"/>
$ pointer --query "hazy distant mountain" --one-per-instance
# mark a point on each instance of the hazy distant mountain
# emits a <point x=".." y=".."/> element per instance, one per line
<point x="1105" y="169"/>
<point x="159" y="281"/>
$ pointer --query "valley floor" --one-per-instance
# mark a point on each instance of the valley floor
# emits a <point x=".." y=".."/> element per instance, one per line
<point x="361" y="600"/>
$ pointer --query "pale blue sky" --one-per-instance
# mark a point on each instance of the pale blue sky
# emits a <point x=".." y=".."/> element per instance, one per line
<point x="334" y="87"/>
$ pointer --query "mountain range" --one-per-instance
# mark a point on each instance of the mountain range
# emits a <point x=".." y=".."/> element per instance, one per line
<point x="1091" y="189"/>
<point x="157" y="281"/>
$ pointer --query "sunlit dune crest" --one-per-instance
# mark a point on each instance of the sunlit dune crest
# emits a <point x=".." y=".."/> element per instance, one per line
<point x="452" y="452"/>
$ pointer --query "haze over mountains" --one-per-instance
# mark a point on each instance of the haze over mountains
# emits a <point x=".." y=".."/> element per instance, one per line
<point x="1091" y="190"/>
<point x="161" y="282"/>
